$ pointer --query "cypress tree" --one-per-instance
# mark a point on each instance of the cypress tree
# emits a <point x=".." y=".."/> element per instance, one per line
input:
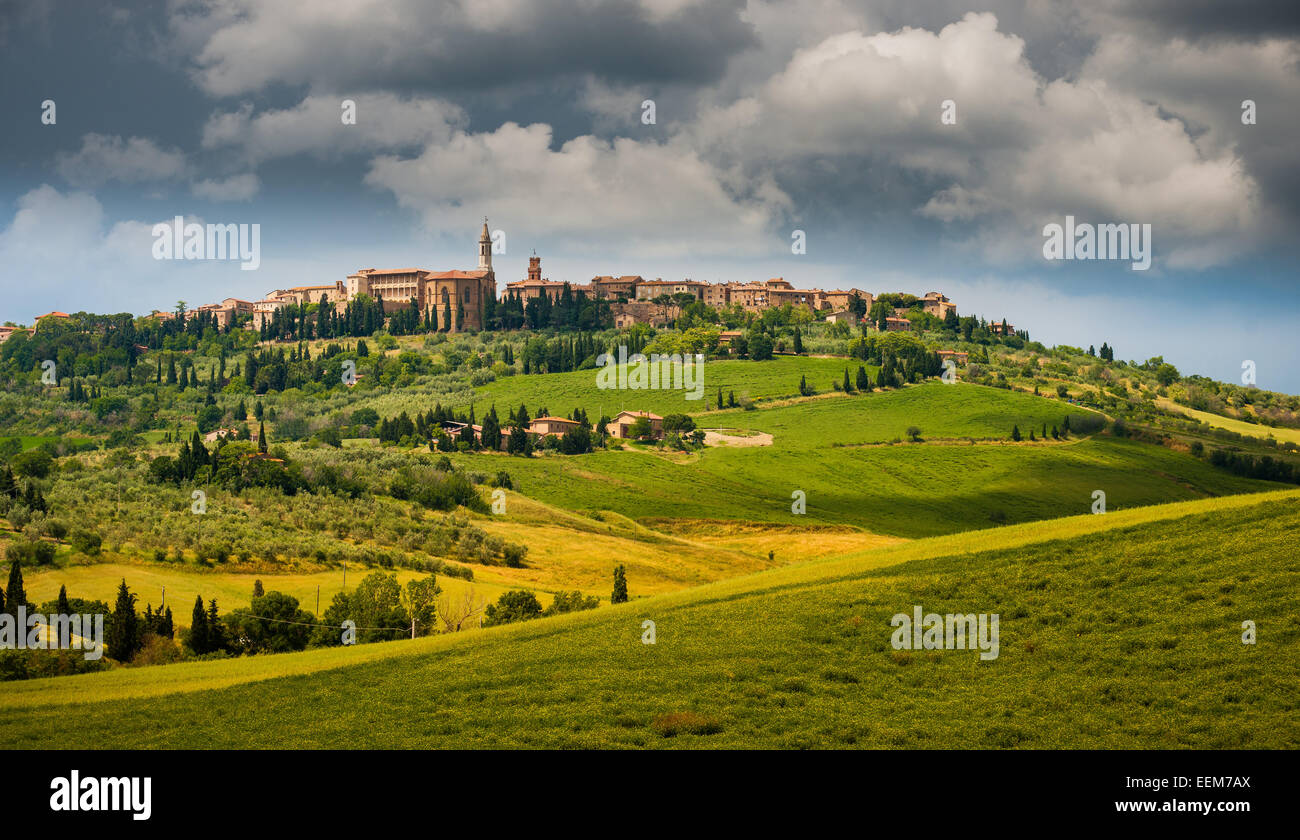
<point x="216" y="636"/>
<point x="1015" y="432"/>
<point x="261" y="437"/>
<point x="258" y="592"/>
<point x="15" y="596"/>
<point x="64" y="608"/>
<point x="123" y="627"/>
<point x="198" y="640"/>
<point x="798" y="343"/>
<point x="864" y="381"/>
<point x="848" y="386"/>
<point x="620" y="586"/>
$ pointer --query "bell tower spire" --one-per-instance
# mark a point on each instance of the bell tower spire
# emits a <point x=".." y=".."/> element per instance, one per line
<point x="485" y="248"/>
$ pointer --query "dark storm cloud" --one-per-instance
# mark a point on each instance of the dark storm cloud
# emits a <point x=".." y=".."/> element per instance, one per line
<point x="29" y="17"/>
<point x="1209" y="19"/>
<point x="451" y="47"/>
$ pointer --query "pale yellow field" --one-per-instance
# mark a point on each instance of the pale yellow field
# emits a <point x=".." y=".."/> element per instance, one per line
<point x="1238" y="426"/>
<point x="568" y="551"/>
<point x="788" y="543"/>
<point x="100" y="581"/>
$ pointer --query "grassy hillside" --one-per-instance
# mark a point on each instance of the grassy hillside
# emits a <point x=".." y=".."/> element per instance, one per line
<point x="830" y="449"/>
<point x="563" y="392"/>
<point x="1120" y="630"/>
<point x="1232" y="424"/>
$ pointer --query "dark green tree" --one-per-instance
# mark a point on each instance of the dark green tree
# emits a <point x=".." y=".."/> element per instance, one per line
<point x="198" y="638"/>
<point x="15" y="597"/>
<point x="515" y="605"/>
<point x="620" y="586"/>
<point x="123" y="631"/>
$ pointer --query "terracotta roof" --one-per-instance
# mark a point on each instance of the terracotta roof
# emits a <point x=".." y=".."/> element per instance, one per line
<point x="644" y="414"/>
<point x="458" y="275"/>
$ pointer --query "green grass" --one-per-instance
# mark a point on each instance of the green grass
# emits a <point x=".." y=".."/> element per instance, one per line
<point x="563" y="392"/>
<point x="906" y="490"/>
<point x="939" y="411"/>
<point x="33" y="441"/>
<point x="1120" y="630"/>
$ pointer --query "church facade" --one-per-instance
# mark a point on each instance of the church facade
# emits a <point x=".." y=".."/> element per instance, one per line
<point x="452" y="300"/>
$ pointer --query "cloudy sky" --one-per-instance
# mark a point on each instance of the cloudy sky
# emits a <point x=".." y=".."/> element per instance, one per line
<point x="821" y="116"/>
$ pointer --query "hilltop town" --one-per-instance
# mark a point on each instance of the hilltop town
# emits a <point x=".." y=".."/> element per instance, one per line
<point x="467" y="300"/>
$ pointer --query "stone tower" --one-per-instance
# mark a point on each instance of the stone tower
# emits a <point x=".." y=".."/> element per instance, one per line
<point x="535" y="267"/>
<point x="485" y="248"/>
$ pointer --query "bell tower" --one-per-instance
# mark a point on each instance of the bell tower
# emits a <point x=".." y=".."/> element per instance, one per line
<point x="485" y="248"/>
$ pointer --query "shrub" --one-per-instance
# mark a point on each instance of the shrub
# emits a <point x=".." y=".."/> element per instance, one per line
<point x="514" y="555"/>
<point x="86" y="542"/>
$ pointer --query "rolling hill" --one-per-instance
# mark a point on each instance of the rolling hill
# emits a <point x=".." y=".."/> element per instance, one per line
<point x="1121" y="630"/>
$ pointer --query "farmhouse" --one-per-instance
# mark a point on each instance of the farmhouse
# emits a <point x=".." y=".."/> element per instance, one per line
<point x="959" y="357"/>
<point x="727" y="336"/>
<point x="621" y="425"/>
<point x="1001" y="328"/>
<point x="547" y="426"/>
<point x="896" y="324"/>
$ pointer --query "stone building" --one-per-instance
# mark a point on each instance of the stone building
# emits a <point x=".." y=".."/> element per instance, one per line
<point x="453" y="300"/>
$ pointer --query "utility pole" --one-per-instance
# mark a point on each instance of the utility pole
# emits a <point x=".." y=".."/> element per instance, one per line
<point x="318" y="600"/>
<point x="345" y="574"/>
<point x="412" y="628"/>
<point x="163" y="600"/>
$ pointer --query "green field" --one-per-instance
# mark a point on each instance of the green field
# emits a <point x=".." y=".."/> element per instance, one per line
<point x="1117" y="631"/>
<point x="563" y="392"/>
<point x="940" y="486"/>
